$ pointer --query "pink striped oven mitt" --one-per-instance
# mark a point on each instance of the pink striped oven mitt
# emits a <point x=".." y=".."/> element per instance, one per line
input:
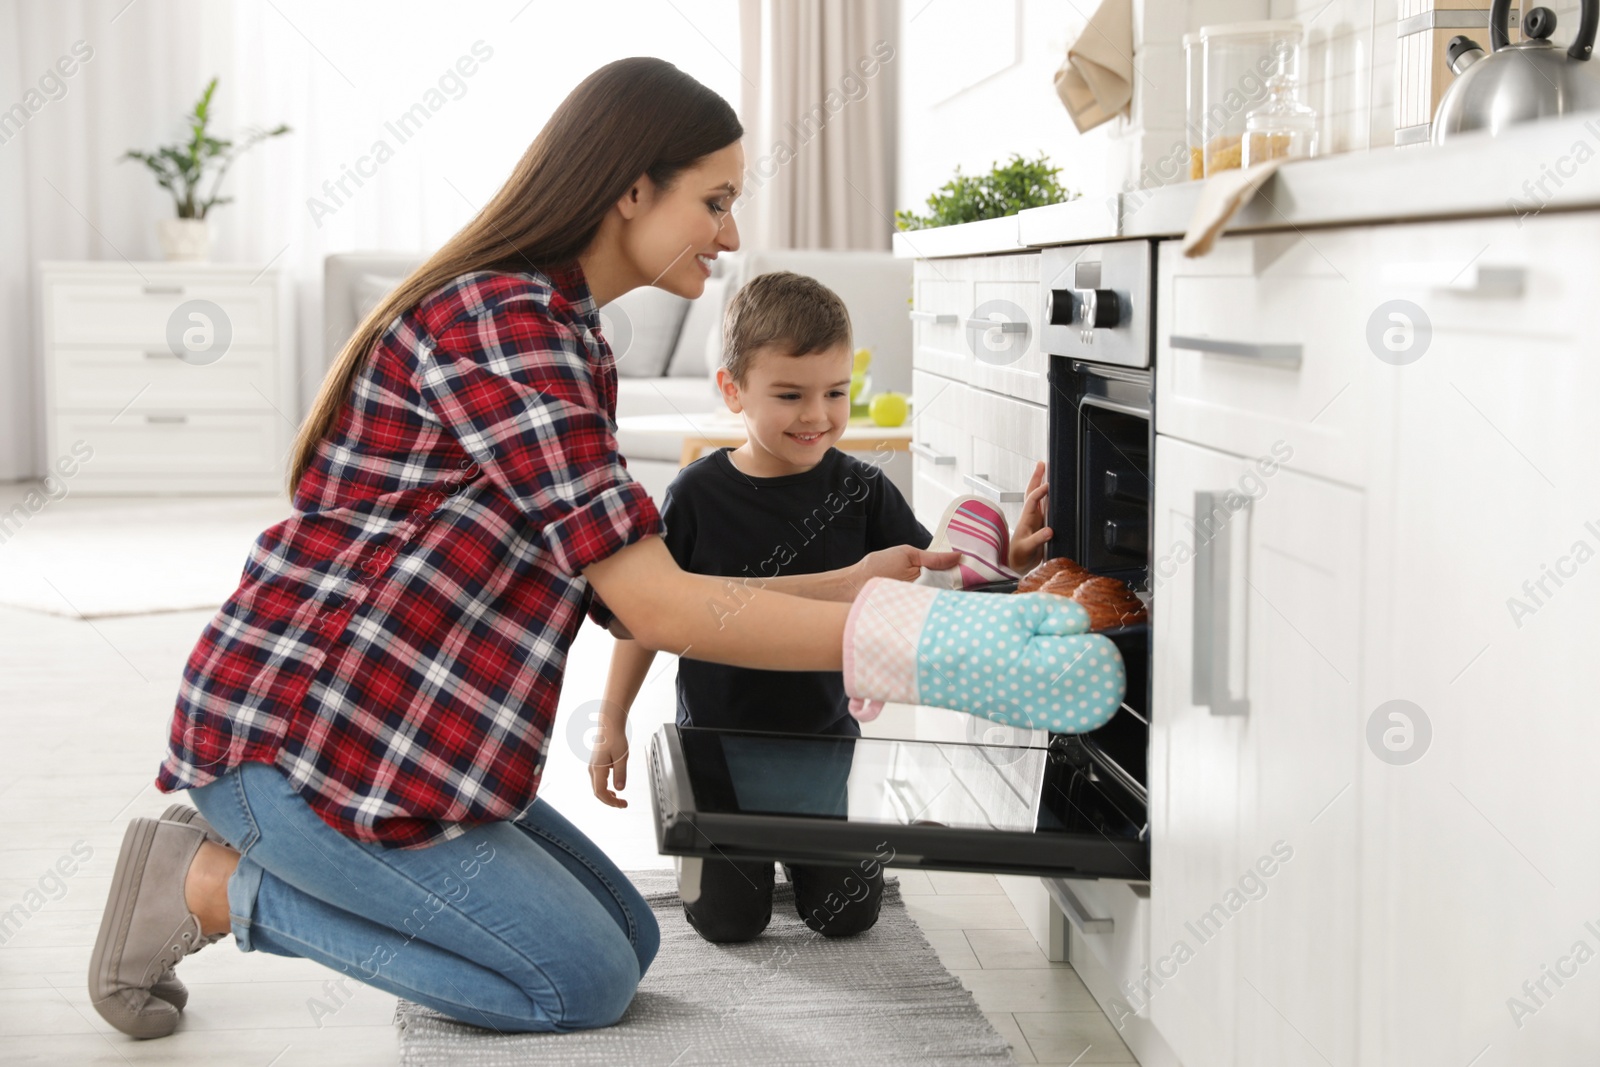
<point x="978" y="530"/>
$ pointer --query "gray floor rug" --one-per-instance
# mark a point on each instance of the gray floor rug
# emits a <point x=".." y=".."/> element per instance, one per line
<point x="789" y="997"/>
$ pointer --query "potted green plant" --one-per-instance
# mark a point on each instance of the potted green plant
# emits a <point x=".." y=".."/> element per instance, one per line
<point x="1007" y="189"/>
<point x="181" y="168"/>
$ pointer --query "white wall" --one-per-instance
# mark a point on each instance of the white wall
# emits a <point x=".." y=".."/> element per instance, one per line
<point x="1012" y="110"/>
<point x="1348" y="76"/>
<point x="1348" y="69"/>
<point x="336" y="73"/>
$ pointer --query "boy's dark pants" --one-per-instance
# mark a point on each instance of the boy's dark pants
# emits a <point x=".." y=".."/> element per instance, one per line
<point x="735" y="901"/>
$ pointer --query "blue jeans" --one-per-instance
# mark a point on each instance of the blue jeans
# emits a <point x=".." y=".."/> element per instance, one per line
<point x="518" y="926"/>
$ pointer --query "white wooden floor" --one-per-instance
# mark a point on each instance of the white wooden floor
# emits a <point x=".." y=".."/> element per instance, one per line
<point x="84" y="708"/>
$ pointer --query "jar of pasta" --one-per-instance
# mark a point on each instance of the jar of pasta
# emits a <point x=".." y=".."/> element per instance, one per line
<point x="1240" y="60"/>
<point x="1194" y="98"/>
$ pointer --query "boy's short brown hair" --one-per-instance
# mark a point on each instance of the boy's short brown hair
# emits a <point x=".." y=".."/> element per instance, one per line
<point x="797" y="314"/>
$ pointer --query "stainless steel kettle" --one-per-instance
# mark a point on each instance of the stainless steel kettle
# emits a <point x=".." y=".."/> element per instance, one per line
<point x="1523" y="82"/>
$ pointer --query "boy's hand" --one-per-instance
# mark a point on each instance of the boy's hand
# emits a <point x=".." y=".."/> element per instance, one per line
<point x="609" y="756"/>
<point x="1028" y="539"/>
<point x="903" y="563"/>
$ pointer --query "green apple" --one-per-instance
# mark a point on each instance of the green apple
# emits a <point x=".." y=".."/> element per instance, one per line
<point x="889" y="409"/>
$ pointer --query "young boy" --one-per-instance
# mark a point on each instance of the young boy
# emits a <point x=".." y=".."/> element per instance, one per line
<point x="785" y="502"/>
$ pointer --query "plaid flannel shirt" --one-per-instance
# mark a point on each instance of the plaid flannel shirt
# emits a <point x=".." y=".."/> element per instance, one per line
<point x="396" y="647"/>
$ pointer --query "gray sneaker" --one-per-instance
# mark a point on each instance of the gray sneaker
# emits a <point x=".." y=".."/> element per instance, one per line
<point x="146" y="928"/>
<point x="168" y="987"/>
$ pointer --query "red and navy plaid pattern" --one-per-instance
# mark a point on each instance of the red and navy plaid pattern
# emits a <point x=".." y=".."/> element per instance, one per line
<point x="396" y="647"/>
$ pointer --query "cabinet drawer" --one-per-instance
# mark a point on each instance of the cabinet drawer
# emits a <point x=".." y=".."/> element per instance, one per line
<point x="134" y="313"/>
<point x="1122" y="951"/>
<point x="155" y="443"/>
<point x="930" y="494"/>
<point x="948" y="293"/>
<point x="940" y="440"/>
<point x="1518" y="280"/>
<point x="1008" y="438"/>
<point x="1263" y="343"/>
<point x="1007" y="357"/>
<point x="943" y="298"/>
<point x="152" y="378"/>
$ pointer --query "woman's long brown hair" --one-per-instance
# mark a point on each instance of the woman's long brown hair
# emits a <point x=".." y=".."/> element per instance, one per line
<point x="638" y="116"/>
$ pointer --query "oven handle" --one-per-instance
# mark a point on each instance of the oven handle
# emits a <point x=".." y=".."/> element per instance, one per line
<point x="993" y="491"/>
<point x="939" y="458"/>
<point x="1212" y="603"/>
<point x="936" y="318"/>
<point x="1286" y="355"/>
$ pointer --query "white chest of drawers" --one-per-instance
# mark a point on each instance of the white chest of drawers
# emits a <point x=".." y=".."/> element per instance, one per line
<point x="176" y="376"/>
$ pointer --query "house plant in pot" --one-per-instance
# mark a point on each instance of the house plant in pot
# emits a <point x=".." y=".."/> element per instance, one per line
<point x="182" y="168"/>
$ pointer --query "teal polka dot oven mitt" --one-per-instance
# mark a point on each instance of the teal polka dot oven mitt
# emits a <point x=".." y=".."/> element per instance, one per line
<point x="1023" y="659"/>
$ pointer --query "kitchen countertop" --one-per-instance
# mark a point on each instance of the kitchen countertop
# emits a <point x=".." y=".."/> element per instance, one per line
<point x="1474" y="176"/>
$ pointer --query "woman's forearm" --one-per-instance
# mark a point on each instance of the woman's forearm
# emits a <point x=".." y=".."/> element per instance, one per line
<point x="722" y="620"/>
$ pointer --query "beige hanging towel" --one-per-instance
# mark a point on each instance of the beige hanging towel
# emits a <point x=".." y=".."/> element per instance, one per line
<point x="1222" y="195"/>
<point x="1096" y="81"/>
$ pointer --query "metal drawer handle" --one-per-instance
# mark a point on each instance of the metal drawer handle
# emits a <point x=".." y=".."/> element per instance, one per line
<point x="992" y="491"/>
<point x="923" y="451"/>
<point x="159" y="355"/>
<point x="168" y="419"/>
<point x="1275" y="355"/>
<point x="1477" y="279"/>
<point x="1074" y="910"/>
<point x="1003" y="325"/>
<point x="937" y="318"/>
<point x="163" y="290"/>
<point x="1212" y="622"/>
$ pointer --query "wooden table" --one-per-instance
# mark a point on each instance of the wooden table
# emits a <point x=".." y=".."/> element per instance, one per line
<point x="723" y="429"/>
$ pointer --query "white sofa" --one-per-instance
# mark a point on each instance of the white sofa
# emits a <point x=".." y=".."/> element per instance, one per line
<point x="667" y="347"/>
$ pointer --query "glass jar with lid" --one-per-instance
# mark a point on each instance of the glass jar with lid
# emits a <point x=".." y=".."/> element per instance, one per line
<point x="1194" y="97"/>
<point x="1282" y="128"/>
<point x="1240" y="59"/>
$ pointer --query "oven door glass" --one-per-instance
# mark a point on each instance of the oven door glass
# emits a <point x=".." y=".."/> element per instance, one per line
<point x="937" y="805"/>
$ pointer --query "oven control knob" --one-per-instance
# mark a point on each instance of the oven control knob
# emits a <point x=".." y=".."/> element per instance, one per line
<point x="1058" y="307"/>
<point x="1101" y="308"/>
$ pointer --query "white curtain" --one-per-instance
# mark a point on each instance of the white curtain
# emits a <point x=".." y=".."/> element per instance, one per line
<point x="820" y="127"/>
<point x="340" y="74"/>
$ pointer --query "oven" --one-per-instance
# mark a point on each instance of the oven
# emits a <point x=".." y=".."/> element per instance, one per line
<point x="1008" y="802"/>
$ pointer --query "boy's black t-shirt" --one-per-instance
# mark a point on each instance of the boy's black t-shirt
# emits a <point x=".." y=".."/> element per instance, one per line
<point x="721" y="521"/>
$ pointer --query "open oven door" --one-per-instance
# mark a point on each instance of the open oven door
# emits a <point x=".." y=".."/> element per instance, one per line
<point x="1050" y="811"/>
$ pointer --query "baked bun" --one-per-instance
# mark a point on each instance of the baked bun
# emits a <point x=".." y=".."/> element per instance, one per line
<point x="1110" y="603"/>
<point x="1034" y="580"/>
<point x="1065" y="583"/>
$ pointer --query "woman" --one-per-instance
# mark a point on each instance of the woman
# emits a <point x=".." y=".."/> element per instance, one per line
<point x="363" y="725"/>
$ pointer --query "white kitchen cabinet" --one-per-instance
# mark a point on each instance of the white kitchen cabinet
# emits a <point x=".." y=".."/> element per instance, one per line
<point x="941" y="437"/>
<point x="941" y="300"/>
<point x="1009" y="437"/>
<point x="1112" y="957"/>
<point x="172" y="377"/>
<point x="974" y="320"/>
<point x="1007" y="356"/>
<point x="1481" y="867"/>
<point x="1424" y="527"/>
<point x="1262" y="345"/>
<point x="969" y="441"/>
<point x="1254" y="760"/>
